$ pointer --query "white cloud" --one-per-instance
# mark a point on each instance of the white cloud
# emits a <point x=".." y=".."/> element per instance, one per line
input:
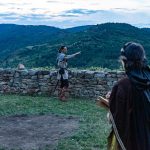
<point x="57" y="12"/>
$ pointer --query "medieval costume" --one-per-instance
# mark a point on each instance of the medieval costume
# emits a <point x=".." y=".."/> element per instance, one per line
<point x="129" y="105"/>
<point x="62" y="74"/>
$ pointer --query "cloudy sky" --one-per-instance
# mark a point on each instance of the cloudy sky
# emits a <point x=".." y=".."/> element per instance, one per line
<point x="69" y="13"/>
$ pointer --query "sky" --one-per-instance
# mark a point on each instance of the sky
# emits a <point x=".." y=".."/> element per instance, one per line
<point x="70" y="13"/>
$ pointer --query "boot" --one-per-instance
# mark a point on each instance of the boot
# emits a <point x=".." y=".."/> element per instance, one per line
<point x="62" y="95"/>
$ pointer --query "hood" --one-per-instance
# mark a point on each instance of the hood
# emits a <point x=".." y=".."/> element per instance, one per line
<point x="140" y="78"/>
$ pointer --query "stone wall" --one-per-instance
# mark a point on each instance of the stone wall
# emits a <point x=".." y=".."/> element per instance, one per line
<point x="83" y="83"/>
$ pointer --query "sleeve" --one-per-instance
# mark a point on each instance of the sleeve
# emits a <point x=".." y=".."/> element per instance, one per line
<point x="118" y="107"/>
<point x="120" y="102"/>
<point x="113" y="94"/>
<point x="117" y="98"/>
<point x="70" y="56"/>
<point x="61" y="57"/>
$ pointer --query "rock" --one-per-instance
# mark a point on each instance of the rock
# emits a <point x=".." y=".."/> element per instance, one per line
<point x="3" y="83"/>
<point x="20" y="67"/>
<point x="42" y="84"/>
<point x="44" y="88"/>
<point x="89" y="74"/>
<point x="34" y="77"/>
<point x="45" y="72"/>
<point x="32" y="72"/>
<point x="24" y="72"/>
<point x="32" y="91"/>
<point x="46" y="76"/>
<point x="81" y="74"/>
<point x="100" y="75"/>
<point x="16" y="75"/>
<point x="1" y="70"/>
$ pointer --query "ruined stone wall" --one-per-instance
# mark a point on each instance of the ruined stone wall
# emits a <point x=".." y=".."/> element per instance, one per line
<point x="83" y="83"/>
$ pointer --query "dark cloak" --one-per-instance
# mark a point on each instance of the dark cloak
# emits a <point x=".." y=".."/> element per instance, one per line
<point x="130" y="109"/>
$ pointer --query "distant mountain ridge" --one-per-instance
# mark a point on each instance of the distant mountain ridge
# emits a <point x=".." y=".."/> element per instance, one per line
<point x="37" y="46"/>
<point x="79" y="29"/>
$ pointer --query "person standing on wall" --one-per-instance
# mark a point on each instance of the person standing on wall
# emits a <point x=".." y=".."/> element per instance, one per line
<point x="62" y="75"/>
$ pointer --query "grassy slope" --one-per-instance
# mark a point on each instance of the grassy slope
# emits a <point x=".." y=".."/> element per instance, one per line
<point x="93" y="131"/>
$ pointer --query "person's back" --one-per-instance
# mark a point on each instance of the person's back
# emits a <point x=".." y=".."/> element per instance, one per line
<point x="130" y="104"/>
<point x="126" y="105"/>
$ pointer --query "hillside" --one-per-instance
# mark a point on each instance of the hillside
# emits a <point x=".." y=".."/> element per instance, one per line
<point x="13" y="36"/>
<point x="100" y="45"/>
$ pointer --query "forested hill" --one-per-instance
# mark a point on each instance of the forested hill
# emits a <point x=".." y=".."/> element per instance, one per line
<point x="13" y="37"/>
<point x="37" y="46"/>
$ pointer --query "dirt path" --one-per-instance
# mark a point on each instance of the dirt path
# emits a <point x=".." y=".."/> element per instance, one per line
<point x="35" y="132"/>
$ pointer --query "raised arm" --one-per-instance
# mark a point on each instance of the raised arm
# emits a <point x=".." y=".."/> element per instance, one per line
<point x="71" y="56"/>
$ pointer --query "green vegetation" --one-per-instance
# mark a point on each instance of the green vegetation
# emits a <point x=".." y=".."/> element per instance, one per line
<point x="93" y="130"/>
<point x="100" y="45"/>
<point x="14" y="36"/>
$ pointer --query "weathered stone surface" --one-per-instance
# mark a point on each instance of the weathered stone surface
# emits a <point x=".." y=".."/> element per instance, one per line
<point x="3" y="83"/>
<point x="24" y="72"/>
<point x="89" y="74"/>
<point x="83" y="83"/>
<point x="33" y="72"/>
<point x="16" y="74"/>
<point x="44" y="88"/>
<point x="100" y="75"/>
<point x="46" y="76"/>
<point x="81" y="74"/>
<point x="45" y="72"/>
<point x="34" y="77"/>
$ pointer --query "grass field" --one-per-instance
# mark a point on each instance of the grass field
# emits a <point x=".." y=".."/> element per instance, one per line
<point x="93" y="127"/>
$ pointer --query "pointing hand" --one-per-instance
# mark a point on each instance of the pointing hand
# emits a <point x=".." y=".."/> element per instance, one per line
<point x="78" y="53"/>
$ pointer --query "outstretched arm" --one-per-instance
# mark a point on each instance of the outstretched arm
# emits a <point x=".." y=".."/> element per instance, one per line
<point x="71" y="56"/>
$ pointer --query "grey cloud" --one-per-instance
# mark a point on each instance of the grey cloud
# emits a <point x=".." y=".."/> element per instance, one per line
<point x="124" y="9"/>
<point x="73" y="17"/>
<point x="33" y="16"/>
<point x="2" y="4"/>
<point x="39" y="17"/>
<point x="147" y="6"/>
<point x="81" y="11"/>
<point x="77" y="12"/>
<point x="4" y="15"/>
<point x="67" y="15"/>
<point x="8" y="14"/>
<point x="10" y="18"/>
<point x="34" y="9"/>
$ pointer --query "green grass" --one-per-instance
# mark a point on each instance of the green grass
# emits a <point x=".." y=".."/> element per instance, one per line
<point x="93" y="127"/>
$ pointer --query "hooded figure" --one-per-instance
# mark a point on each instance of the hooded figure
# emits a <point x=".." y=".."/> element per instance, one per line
<point x="129" y="102"/>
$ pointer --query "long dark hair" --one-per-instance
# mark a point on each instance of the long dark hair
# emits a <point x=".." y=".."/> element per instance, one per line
<point x="133" y="56"/>
<point x="61" y="48"/>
